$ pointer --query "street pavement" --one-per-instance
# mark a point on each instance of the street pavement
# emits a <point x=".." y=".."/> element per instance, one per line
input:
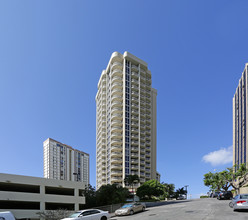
<point x="196" y="209"/>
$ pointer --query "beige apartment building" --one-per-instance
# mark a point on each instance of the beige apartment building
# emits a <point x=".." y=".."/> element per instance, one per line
<point x="126" y="121"/>
<point x="62" y="162"/>
<point x="240" y="123"/>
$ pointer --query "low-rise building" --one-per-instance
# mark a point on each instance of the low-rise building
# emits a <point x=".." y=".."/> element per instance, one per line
<point x="25" y="196"/>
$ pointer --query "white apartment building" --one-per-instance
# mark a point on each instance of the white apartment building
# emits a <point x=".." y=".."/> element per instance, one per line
<point x="126" y="121"/>
<point x="25" y="196"/>
<point x="62" y="162"/>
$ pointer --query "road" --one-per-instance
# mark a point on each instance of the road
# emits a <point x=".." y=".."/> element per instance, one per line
<point x="196" y="209"/>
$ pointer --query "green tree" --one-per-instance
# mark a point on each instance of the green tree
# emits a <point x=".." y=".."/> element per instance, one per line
<point x="180" y="191"/>
<point x="168" y="189"/>
<point x="212" y="180"/>
<point x="236" y="177"/>
<point x="90" y="196"/>
<point x="150" y="188"/>
<point x="111" y="194"/>
<point x="130" y="180"/>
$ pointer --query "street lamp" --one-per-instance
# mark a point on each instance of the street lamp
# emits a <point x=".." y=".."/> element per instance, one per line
<point x="77" y="174"/>
<point x="186" y="190"/>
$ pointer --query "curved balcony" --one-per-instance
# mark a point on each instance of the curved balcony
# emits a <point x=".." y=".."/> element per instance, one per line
<point x="115" y="116"/>
<point x="135" y="112"/>
<point x="117" y="123"/>
<point x="116" y="128"/>
<point x="116" y="160"/>
<point x="116" y="173"/>
<point x="116" y="179"/>
<point x="142" y="86"/>
<point x="116" y="154"/>
<point x="116" y="142"/>
<point x="142" y="110"/>
<point x="134" y="155"/>
<point x="116" y="85"/>
<point x="134" y="161"/>
<point x="135" y="136"/>
<point x="135" y="118"/>
<point x="116" y="135"/>
<point x="116" y="98"/>
<point x="134" y="130"/>
<point x="148" y="84"/>
<point x="116" y="72"/>
<point x="116" y="110"/>
<point x="135" y="143"/>
<point x="116" y="148"/>
<point x="134" y="149"/>
<point x="135" y="124"/>
<point x="117" y="91"/>
<point x="134" y="167"/>
<point x="148" y="131"/>
<point x="148" y="148"/>
<point x="148" y="110"/>
<point x="116" y="65"/>
<point x="148" y="90"/>
<point x="135" y="99"/>
<point x="135" y="81"/>
<point x="148" y="126"/>
<point x="142" y="71"/>
<point x="135" y="68"/>
<point x="116" y="104"/>
<point x="135" y="88"/>
<point x="142" y="91"/>
<point x="116" y="167"/>
<point x="135" y="75"/>
<point x="135" y="94"/>
<point x="117" y="79"/>
<point x="135" y="106"/>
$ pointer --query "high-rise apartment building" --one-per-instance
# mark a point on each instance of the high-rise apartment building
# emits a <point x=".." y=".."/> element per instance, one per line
<point x="240" y="123"/>
<point x="126" y="121"/>
<point x="62" y="162"/>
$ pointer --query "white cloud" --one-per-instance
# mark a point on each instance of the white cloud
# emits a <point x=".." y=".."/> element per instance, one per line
<point x="219" y="157"/>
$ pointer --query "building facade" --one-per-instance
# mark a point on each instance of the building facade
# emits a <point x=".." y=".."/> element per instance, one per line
<point x="62" y="162"/>
<point x="240" y="122"/>
<point x="25" y="196"/>
<point x="126" y="121"/>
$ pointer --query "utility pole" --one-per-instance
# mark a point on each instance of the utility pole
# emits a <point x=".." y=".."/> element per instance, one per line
<point x="186" y="190"/>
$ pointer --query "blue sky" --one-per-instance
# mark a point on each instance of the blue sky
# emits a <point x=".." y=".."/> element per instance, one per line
<point x="52" y="54"/>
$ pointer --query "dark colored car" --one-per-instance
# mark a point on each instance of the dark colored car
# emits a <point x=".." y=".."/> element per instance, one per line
<point x="215" y="194"/>
<point x="225" y="195"/>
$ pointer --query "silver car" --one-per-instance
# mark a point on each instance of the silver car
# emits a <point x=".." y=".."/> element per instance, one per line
<point x="239" y="202"/>
<point x="89" y="214"/>
<point x="130" y="209"/>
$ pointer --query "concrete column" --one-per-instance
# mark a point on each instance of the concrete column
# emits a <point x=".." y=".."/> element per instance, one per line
<point x="42" y="203"/>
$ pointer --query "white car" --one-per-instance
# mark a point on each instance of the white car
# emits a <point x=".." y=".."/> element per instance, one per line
<point x="89" y="214"/>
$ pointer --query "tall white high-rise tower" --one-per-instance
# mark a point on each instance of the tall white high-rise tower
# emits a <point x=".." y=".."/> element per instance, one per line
<point x="126" y="122"/>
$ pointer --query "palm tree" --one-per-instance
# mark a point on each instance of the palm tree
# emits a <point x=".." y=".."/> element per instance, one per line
<point x="130" y="180"/>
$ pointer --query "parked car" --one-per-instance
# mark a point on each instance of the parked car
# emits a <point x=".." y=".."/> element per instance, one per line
<point x="225" y="195"/>
<point x="89" y="214"/>
<point x="130" y="209"/>
<point x="6" y="216"/>
<point x="215" y="194"/>
<point x="239" y="202"/>
<point x="181" y="197"/>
